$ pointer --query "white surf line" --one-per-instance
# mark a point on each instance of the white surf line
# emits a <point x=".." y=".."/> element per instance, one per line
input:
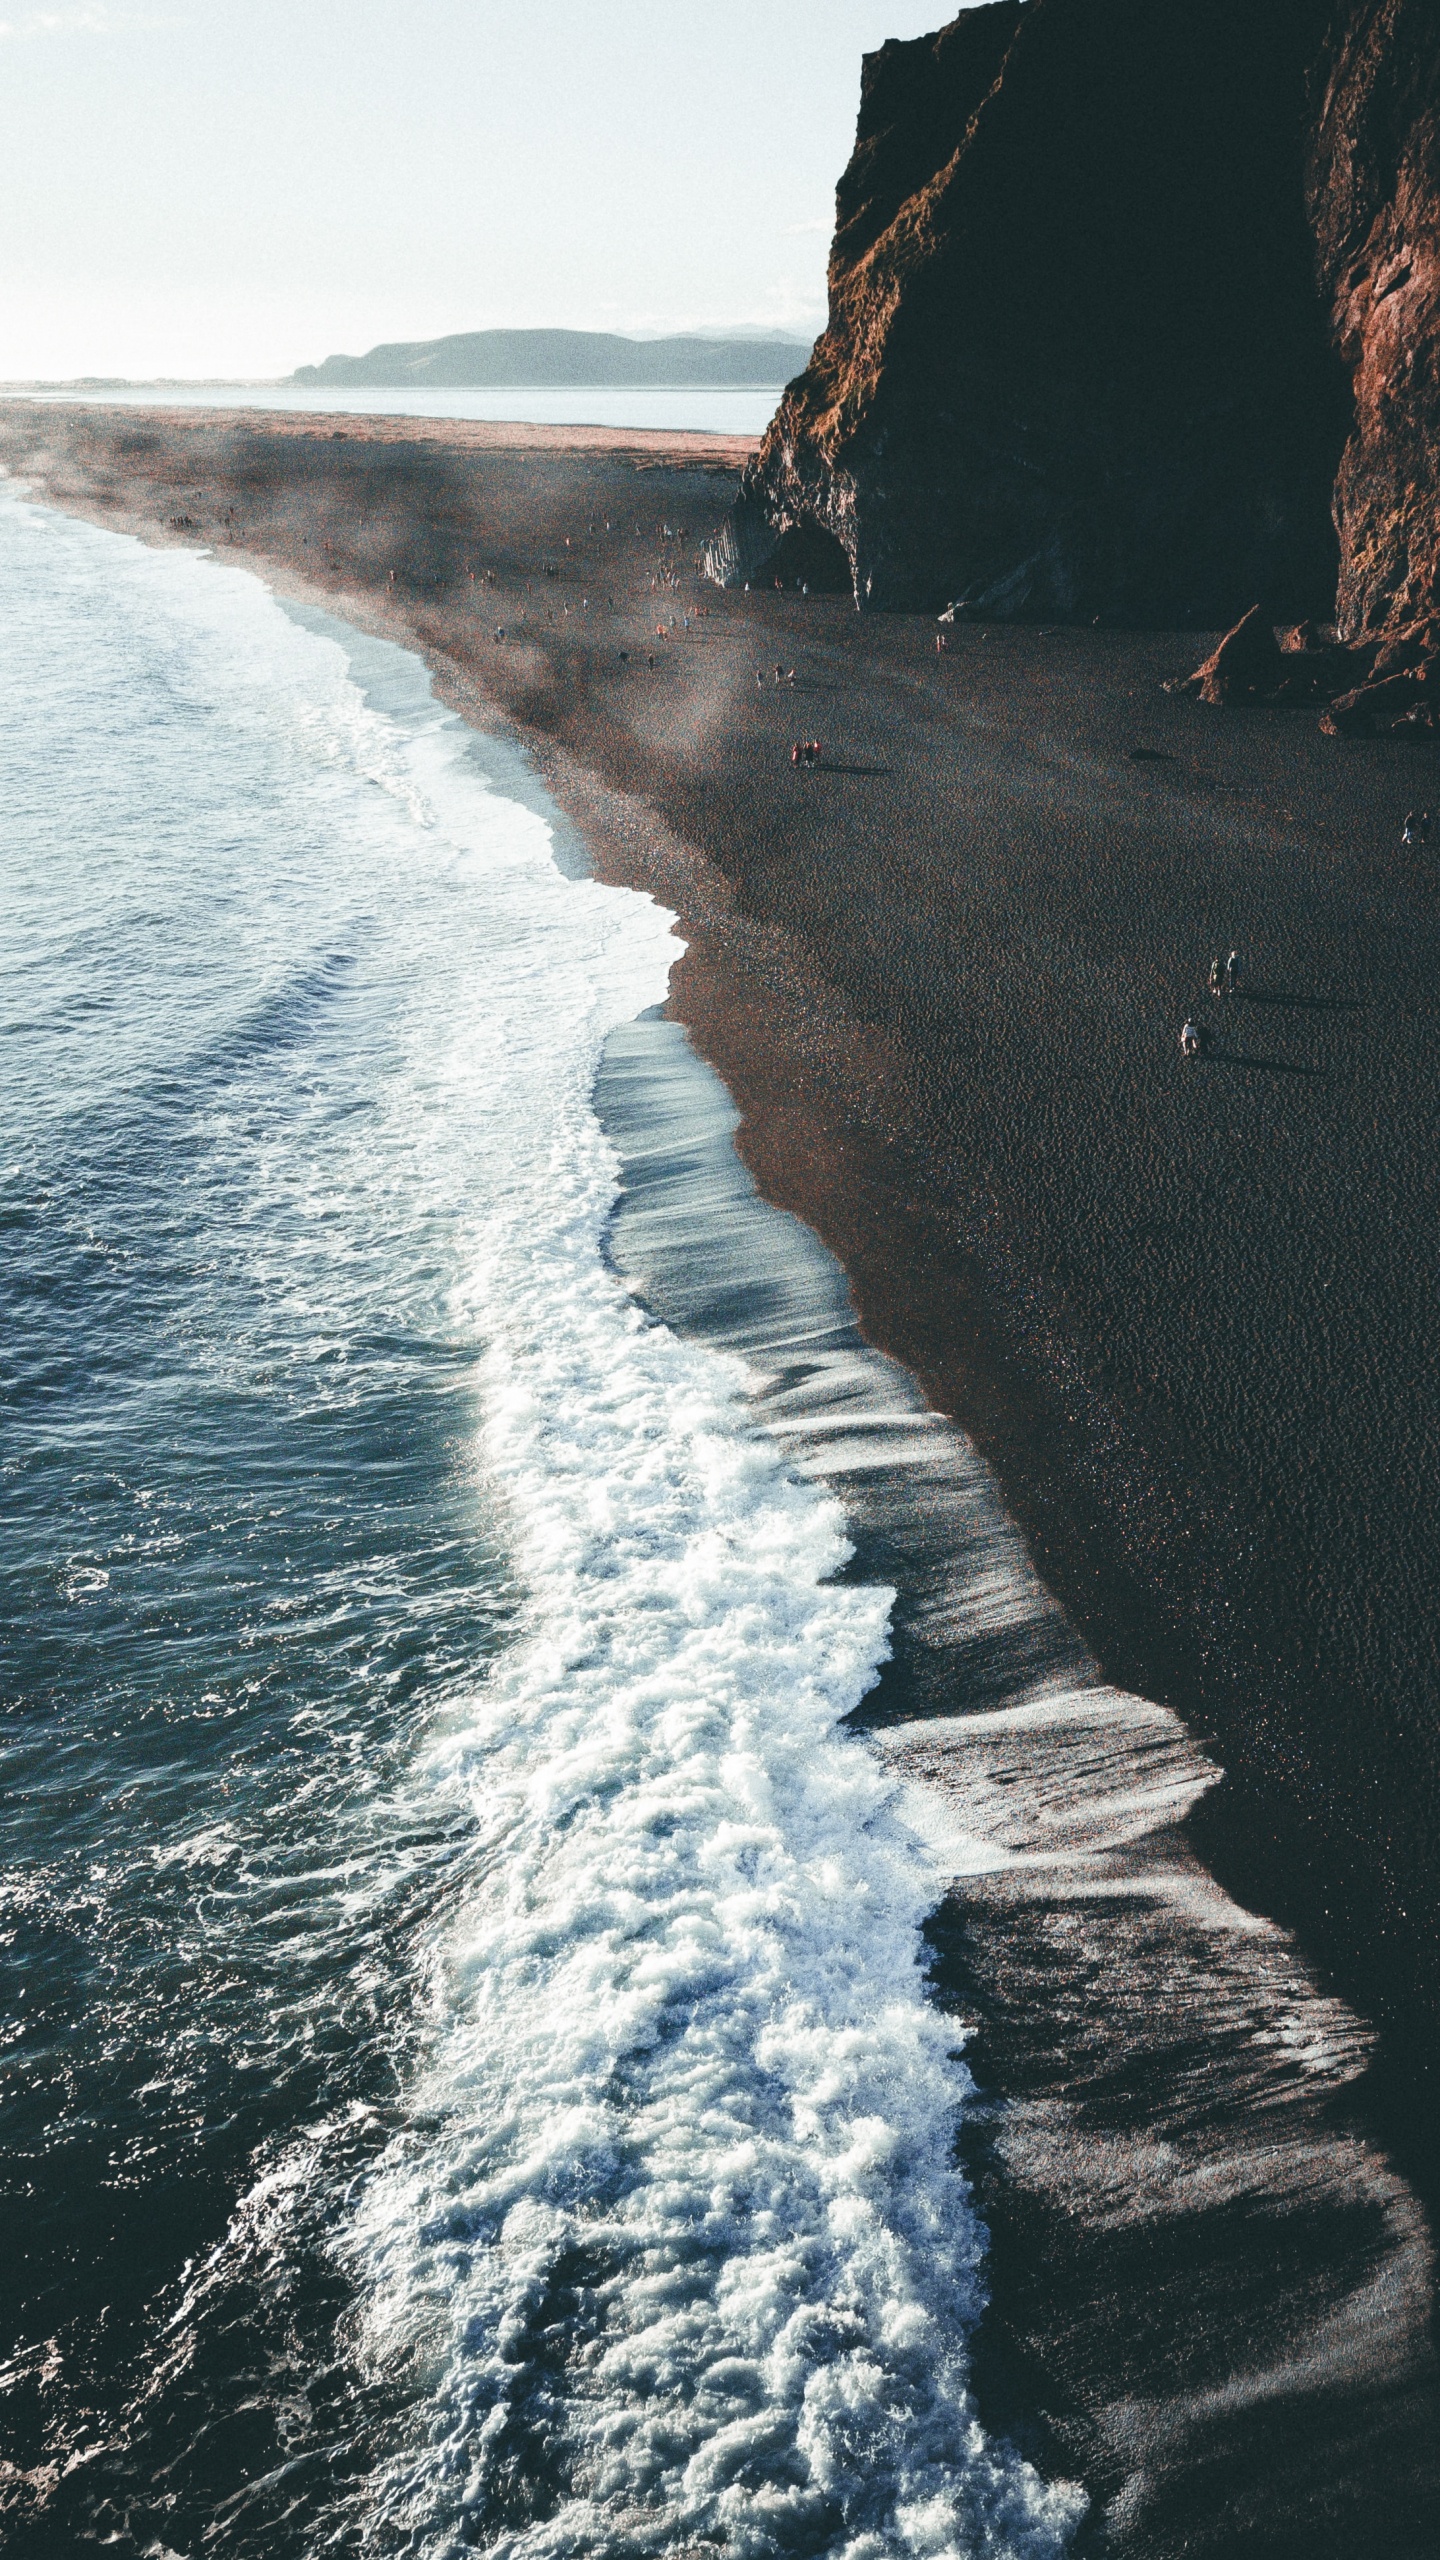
<point x="673" y="2241"/>
<point x="1052" y="1807"/>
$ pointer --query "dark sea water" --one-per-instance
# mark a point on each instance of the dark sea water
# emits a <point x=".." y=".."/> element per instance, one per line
<point x="469" y="2078"/>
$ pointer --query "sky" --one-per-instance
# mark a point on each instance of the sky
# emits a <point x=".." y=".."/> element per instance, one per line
<point x="231" y="190"/>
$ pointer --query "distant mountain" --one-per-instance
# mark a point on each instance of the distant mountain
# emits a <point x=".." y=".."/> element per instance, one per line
<point x="565" y="360"/>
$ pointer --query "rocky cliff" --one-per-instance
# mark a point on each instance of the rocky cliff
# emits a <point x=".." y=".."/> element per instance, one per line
<point x="1075" y="362"/>
<point x="1375" y="204"/>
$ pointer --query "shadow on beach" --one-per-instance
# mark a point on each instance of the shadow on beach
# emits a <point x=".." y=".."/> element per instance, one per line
<point x="1262" y="1066"/>
<point x="1291" y="999"/>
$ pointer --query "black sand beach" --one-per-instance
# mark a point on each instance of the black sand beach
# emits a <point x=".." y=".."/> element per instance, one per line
<point x="1186" y="1312"/>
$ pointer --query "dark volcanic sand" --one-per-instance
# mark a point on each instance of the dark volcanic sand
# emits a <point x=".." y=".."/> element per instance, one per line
<point x="1188" y="1311"/>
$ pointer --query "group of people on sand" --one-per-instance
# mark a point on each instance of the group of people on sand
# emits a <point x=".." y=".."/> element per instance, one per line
<point x="805" y="751"/>
<point x="1416" y="830"/>
<point x="1224" y="980"/>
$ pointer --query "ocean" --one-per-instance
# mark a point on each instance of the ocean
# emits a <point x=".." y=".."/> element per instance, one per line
<point x="470" y="2080"/>
<point x="730" y="413"/>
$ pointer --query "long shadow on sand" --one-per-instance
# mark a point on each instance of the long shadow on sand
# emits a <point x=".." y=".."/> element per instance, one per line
<point x="1302" y="1004"/>
<point x="1264" y="1066"/>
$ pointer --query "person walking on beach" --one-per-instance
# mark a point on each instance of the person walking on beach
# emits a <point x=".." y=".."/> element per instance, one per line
<point x="1192" y="1039"/>
<point x="1232" y="973"/>
<point x="1424" y="826"/>
<point x="1217" y="982"/>
<point x="1408" y="831"/>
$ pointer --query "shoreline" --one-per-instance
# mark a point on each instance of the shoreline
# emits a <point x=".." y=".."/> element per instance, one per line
<point x="1130" y="2186"/>
<point x="826" y="1091"/>
<point x="699" y="445"/>
<point x="823" y="1085"/>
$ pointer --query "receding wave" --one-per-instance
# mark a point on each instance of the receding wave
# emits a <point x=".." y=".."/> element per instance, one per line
<point x="1212" y="2293"/>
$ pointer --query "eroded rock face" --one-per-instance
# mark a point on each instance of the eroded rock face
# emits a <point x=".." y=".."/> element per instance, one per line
<point x="1076" y="362"/>
<point x="1375" y="203"/>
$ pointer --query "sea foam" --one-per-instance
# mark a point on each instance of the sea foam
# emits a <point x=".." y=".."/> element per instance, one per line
<point x="681" y="2250"/>
<point x="668" y="2246"/>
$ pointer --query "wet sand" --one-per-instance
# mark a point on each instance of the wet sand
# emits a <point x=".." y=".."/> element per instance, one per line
<point x="1187" y="1313"/>
<point x="1211" y="2292"/>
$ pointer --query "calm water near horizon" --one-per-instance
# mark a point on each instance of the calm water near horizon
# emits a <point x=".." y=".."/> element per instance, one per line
<point x="469" y="2077"/>
<point x="735" y="413"/>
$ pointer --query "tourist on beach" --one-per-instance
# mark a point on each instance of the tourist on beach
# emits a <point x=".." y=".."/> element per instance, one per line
<point x="1192" y="1039"/>
<point x="1217" y="982"/>
<point x="1232" y="973"/>
<point x="1408" y="831"/>
<point x="1424" y="826"/>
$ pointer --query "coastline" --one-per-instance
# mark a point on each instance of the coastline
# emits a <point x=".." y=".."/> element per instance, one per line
<point x="827" y="1087"/>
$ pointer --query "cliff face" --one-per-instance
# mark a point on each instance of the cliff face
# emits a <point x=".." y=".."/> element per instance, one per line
<point x="1075" y="361"/>
<point x="1375" y="203"/>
